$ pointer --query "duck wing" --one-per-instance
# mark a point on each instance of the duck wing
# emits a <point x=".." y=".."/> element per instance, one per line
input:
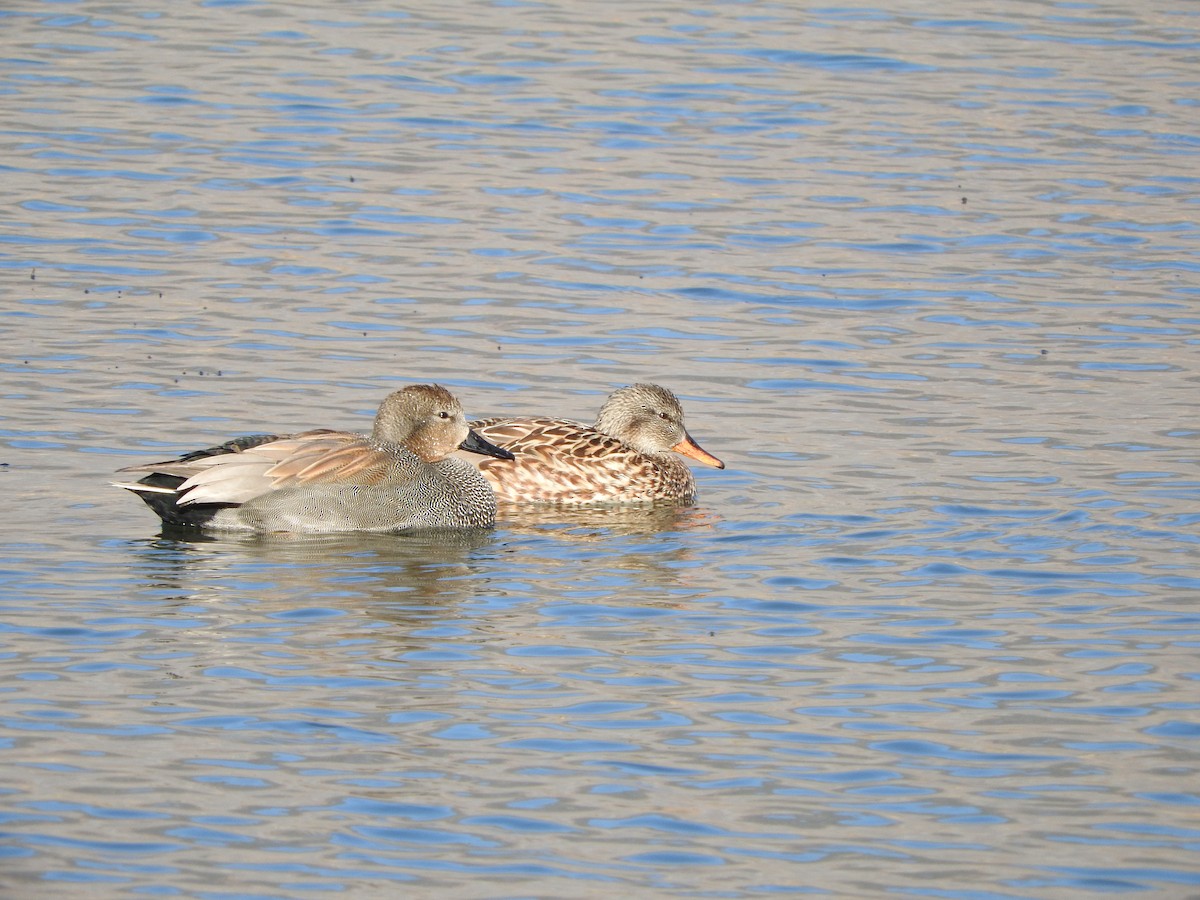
<point x="560" y="460"/>
<point x="244" y="468"/>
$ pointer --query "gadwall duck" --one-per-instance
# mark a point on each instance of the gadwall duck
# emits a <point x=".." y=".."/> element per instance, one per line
<point x="626" y="457"/>
<point x="399" y="477"/>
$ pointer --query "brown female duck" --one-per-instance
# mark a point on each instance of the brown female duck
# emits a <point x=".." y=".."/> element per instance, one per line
<point x="626" y="457"/>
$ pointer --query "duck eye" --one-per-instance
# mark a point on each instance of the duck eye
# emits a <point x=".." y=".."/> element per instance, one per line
<point x="443" y="415"/>
<point x="664" y="417"/>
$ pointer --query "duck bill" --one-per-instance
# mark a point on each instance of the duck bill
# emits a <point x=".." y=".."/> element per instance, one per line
<point x="475" y="444"/>
<point x="691" y="449"/>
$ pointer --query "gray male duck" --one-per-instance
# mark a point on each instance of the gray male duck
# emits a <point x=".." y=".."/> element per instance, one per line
<point x="400" y="477"/>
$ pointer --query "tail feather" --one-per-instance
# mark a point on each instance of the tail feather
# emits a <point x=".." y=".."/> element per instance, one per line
<point x="138" y="488"/>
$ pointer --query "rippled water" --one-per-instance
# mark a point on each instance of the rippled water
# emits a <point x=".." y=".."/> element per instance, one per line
<point x="926" y="280"/>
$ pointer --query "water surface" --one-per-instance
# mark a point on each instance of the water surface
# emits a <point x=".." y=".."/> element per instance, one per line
<point x="924" y="279"/>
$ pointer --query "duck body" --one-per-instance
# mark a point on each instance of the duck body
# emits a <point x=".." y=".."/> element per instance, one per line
<point x="629" y="456"/>
<point x="400" y="477"/>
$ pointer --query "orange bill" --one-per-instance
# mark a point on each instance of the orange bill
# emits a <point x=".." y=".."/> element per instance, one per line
<point x="688" y="447"/>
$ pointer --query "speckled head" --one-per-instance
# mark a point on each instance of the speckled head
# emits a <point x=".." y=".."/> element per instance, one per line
<point x="649" y="418"/>
<point x="429" y="421"/>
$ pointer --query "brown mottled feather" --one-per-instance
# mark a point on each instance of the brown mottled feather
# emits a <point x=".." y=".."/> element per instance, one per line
<point x="557" y="460"/>
<point x="625" y="457"/>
